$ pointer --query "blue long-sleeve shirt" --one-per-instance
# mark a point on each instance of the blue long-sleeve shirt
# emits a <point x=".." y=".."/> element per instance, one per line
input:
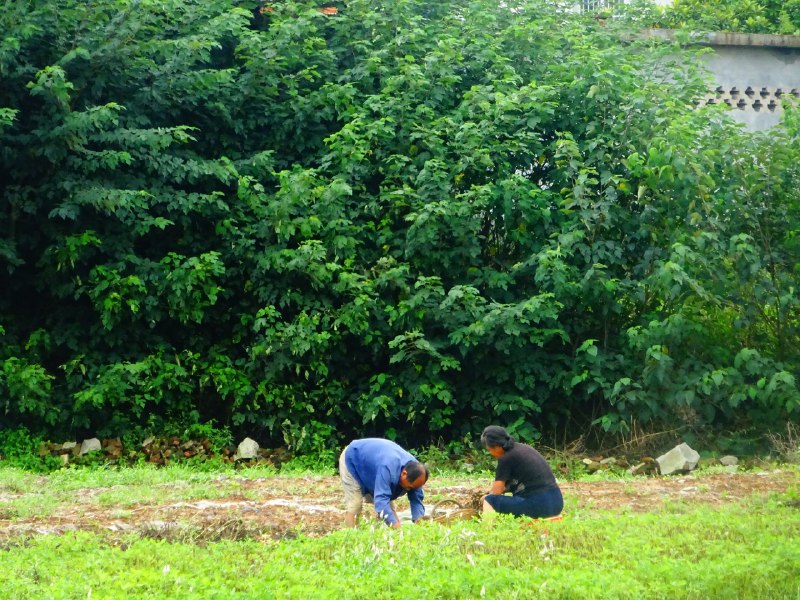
<point x="376" y="464"/>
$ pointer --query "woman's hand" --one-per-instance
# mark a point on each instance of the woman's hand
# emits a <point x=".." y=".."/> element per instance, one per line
<point x="498" y="487"/>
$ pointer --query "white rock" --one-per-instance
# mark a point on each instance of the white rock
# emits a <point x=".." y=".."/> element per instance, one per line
<point x="247" y="449"/>
<point x="680" y="459"/>
<point x="90" y="445"/>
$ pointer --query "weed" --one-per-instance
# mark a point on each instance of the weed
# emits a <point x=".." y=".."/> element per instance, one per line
<point x="315" y="440"/>
<point x="462" y="456"/>
<point x="20" y="448"/>
<point x="310" y="463"/>
<point x="787" y="445"/>
<point x="219" y="437"/>
<point x="229" y="528"/>
<point x="8" y="513"/>
<point x="256" y="471"/>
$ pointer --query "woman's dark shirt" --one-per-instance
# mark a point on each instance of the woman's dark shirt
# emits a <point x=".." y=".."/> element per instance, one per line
<point x="525" y="471"/>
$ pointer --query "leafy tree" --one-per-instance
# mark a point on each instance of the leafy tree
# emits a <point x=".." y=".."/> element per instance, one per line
<point x="747" y="16"/>
<point x="399" y="219"/>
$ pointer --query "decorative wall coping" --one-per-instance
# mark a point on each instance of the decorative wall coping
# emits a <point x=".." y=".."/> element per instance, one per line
<point x="727" y="38"/>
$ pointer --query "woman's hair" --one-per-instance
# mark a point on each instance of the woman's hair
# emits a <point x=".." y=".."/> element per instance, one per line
<point x="494" y="436"/>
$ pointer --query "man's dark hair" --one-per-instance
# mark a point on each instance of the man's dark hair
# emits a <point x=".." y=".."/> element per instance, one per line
<point x="414" y="469"/>
<point x="494" y="436"/>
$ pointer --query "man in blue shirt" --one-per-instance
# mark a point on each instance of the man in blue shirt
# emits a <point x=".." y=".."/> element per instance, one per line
<point x="381" y="471"/>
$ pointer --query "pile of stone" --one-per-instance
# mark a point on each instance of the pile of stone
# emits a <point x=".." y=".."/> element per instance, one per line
<point x="680" y="459"/>
<point x="160" y="451"/>
<point x="69" y="452"/>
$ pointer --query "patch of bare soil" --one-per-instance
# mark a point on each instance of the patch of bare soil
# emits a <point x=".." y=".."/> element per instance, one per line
<point x="285" y="507"/>
<point x="641" y="495"/>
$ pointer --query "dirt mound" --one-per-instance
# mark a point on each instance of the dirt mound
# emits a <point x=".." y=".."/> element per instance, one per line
<point x="285" y="507"/>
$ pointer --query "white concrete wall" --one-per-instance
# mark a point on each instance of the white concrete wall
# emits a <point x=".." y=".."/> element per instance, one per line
<point x="756" y="74"/>
<point x="757" y="80"/>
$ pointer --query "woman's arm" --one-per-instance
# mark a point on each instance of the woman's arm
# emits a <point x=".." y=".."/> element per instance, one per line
<point x="498" y="487"/>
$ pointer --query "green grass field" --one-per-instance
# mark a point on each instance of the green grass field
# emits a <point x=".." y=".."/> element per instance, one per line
<point x="747" y="549"/>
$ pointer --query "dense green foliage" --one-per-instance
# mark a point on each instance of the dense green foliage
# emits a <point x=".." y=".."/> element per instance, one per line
<point x="405" y="219"/>
<point x="748" y="16"/>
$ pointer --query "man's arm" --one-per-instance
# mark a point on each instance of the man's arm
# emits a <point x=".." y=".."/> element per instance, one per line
<point x="397" y="524"/>
<point x="383" y="497"/>
<point x="417" y="507"/>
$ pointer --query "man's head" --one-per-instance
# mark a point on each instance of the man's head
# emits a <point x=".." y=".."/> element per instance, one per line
<point x="413" y="476"/>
